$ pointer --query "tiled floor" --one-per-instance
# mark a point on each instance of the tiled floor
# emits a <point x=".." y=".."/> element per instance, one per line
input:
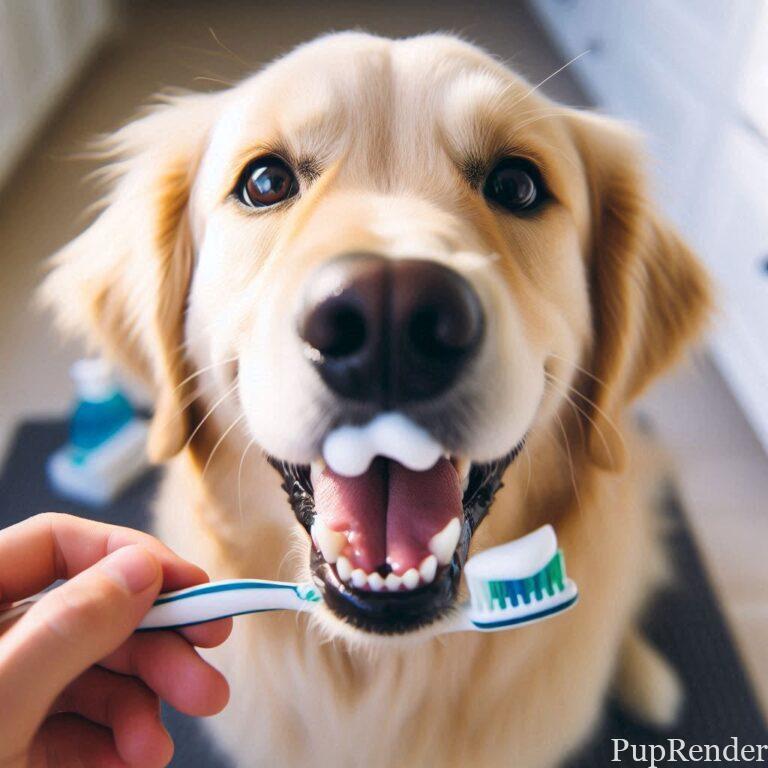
<point x="722" y="471"/>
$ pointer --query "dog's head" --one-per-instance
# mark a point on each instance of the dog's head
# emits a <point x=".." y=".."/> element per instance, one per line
<point x="395" y="258"/>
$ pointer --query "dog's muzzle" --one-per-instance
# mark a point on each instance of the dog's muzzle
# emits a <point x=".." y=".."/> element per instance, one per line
<point x="390" y="509"/>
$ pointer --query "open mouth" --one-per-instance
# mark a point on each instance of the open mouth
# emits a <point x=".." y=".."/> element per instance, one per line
<point x="390" y="541"/>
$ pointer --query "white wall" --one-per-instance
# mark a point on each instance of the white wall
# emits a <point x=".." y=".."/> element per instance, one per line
<point x="693" y="76"/>
<point x="44" y="44"/>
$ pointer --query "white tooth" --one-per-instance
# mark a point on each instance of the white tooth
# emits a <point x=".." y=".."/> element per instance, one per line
<point x="359" y="578"/>
<point x="375" y="582"/>
<point x="463" y="466"/>
<point x="329" y="542"/>
<point x="393" y="582"/>
<point x="442" y="544"/>
<point x="316" y="468"/>
<point x="343" y="568"/>
<point x="428" y="568"/>
<point x="411" y="578"/>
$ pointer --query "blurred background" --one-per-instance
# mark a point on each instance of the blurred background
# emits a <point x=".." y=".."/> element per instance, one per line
<point x="692" y="74"/>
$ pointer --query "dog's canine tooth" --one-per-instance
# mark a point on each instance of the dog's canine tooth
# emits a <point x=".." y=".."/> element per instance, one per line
<point x="316" y="468"/>
<point x="344" y="568"/>
<point x="329" y="542"/>
<point x="393" y="582"/>
<point x="411" y="578"/>
<point x="442" y="544"/>
<point x="428" y="568"/>
<point x="359" y="578"/>
<point x="375" y="582"/>
<point x="462" y="465"/>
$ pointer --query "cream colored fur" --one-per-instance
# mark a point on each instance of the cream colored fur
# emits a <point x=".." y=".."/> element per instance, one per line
<point x="586" y="303"/>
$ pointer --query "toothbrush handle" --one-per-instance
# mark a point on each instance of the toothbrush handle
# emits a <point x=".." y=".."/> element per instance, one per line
<point x="220" y="599"/>
<point x="9" y="615"/>
<point x="207" y="602"/>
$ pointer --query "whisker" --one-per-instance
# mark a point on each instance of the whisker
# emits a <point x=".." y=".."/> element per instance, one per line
<point x="576" y="411"/>
<point x="295" y="549"/>
<point x="240" y="479"/>
<point x="226" y="48"/>
<point x="214" y="80"/>
<point x="549" y="77"/>
<point x="205" y="418"/>
<point x="580" y="410"/>
<point x="578" y="368"/>
<point x="205" y="369"/>
<point x="611" y="423"/>
<point x="190" y="400"/>
<point x="570" y="463"/>
<point x="219" y="442"/>
<point x="557" y="442"/>
<point x="529" y="458"/>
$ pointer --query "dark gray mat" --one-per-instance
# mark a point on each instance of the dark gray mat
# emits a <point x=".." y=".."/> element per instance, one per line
<point x="686" y="624"/>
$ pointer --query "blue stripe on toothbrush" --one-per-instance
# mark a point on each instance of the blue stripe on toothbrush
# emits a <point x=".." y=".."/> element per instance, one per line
<point x="205" y="589"/>
<point x="528" y="618"/>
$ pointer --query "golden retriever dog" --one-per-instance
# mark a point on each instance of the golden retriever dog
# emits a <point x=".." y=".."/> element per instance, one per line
<point x="398" y="230"/>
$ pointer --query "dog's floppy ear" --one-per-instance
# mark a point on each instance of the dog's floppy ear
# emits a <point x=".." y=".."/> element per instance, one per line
<point x="123" y="282"/>
<point x="650" y="296"/>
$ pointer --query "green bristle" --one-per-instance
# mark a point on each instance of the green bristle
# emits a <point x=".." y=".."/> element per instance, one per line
<point x="528" y="585"/>
<point x="556" y="569"/>
<point x="548" y="581"/>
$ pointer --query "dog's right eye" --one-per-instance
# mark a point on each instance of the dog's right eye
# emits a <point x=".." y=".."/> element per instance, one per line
<point x="266" y="181"/>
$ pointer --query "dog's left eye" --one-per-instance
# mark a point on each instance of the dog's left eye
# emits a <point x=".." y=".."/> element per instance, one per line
<point x="266" y="181"/>
<point x="515" y="184"/>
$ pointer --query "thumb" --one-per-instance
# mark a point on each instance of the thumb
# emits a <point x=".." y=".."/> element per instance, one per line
<point x="69" y="630"/>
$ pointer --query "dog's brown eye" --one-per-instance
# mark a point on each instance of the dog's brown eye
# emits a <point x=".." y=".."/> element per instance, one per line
<point x="267" y="181"/>
<point x="515" y="184"/>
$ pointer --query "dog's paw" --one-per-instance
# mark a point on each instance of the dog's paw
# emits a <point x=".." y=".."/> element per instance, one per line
<point x="647" y="685"/>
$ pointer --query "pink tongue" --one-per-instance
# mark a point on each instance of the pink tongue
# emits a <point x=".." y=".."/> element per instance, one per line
<point x="389" y="513"/>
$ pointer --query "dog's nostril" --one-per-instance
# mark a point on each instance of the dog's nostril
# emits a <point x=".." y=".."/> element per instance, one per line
<point x="438" y="334"/>
<point x="335" y="328"/>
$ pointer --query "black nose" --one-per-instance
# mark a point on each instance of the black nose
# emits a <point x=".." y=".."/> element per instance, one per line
<point x="390" y="331"/>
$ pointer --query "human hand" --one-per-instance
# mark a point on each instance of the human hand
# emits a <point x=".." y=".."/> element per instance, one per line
<point x="77" y="687"/>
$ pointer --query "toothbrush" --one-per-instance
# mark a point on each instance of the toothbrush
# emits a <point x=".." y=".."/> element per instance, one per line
<point x="514" y="584"/>
<point x="517" y="583"/>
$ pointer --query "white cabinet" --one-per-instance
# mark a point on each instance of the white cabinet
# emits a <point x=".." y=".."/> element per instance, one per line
<point x="737" y="255"/>
<point x="693" y="76"/>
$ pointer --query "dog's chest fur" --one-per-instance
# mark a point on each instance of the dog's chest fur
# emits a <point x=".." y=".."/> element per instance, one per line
<point x="523" y="697"/>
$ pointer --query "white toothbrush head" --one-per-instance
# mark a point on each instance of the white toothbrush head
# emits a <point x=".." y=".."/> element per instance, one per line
<point x="518" y="583"/>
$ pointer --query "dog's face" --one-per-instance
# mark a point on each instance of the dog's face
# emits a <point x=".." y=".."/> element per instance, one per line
<point x="395" y="258"/>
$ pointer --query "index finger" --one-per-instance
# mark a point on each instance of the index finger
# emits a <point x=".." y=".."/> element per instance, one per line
<point x="36" y="552"/>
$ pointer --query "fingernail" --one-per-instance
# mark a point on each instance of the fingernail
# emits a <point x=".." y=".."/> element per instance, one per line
<point x="132" y="567"/>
